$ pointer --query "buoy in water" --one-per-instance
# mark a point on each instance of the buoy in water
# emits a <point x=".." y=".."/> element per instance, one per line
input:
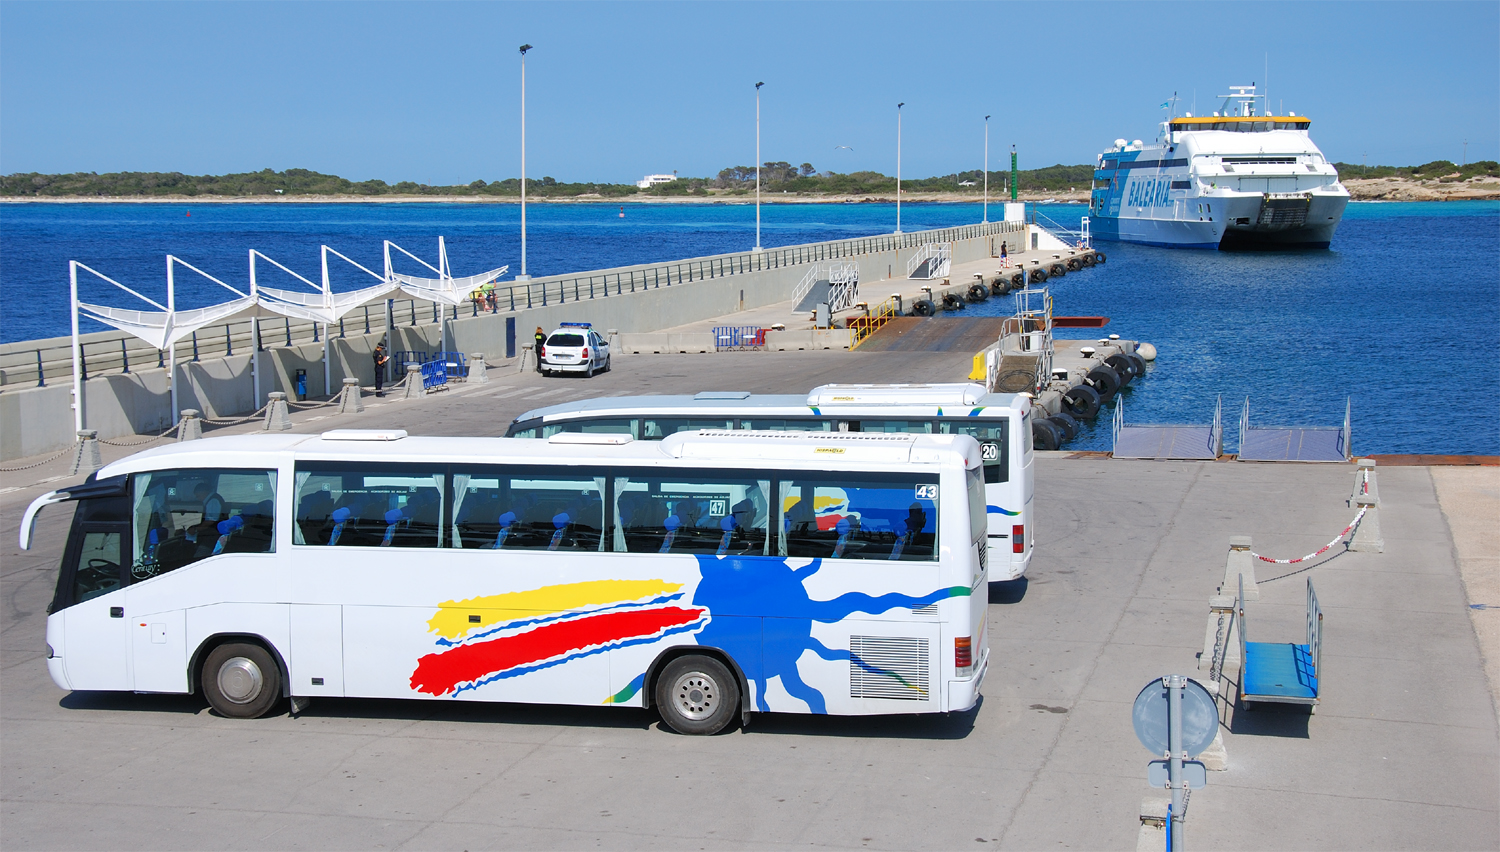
<point x="622" y="212"/>
<point x="1146" y="351"/>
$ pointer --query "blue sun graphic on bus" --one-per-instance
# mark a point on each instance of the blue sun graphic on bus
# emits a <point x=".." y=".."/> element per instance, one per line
<point x="733" y="585"/>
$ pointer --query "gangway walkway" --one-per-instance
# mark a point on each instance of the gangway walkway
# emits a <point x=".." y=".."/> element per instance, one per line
<point x="1204" y="443"/>
<point x="1294" y="443"/>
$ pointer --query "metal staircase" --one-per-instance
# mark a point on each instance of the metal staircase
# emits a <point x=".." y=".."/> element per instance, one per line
<point x="934" y="260"/>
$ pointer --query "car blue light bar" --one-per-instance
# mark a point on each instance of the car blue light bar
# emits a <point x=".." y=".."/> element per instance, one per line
<point x="576" y="324"/>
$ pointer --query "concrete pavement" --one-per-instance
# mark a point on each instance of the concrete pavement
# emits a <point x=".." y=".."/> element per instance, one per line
<point x="1402" y="754"/>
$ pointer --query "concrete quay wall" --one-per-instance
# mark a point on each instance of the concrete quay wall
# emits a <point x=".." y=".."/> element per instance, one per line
<point x="37" y="420"/>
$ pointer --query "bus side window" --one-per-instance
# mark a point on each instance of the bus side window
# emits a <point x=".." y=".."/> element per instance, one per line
<point x="179" y="517"/>
<point x="592" y="426"/>
<point x="527" y="509"/>
<point x="723" y="516"/>
<point x="859" y="518"/>
<point x="656" y="428"/>
<point x="906" y="427"/>
<point x="781" y="424"/>
<point x="357" y="505"/>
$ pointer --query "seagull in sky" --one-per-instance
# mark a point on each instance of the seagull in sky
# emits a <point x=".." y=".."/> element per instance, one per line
<point x="845" y="147"/>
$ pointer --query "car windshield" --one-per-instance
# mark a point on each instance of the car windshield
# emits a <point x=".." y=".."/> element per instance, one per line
<point x="565" y="340"/>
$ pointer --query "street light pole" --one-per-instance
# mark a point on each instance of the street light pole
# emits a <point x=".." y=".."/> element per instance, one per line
<point x="986" y="169"/>
<point x="523" y="276"/>
<point x="757" y="165"/>
<point x="898" y="165"/>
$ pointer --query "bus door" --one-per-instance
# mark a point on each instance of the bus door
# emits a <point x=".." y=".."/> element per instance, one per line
<point x="90" y="594"/>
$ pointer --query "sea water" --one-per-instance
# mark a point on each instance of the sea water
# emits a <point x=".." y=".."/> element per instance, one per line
<point x="1401" y="316"/>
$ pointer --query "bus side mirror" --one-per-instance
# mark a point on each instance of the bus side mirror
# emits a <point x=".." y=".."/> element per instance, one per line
<point x="28" y="521"/>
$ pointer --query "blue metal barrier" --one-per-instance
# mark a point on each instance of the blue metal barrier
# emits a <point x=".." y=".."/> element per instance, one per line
<point x="739" y="337"/>
<point x="434" y="376"/>
<point x="455" y="364"/>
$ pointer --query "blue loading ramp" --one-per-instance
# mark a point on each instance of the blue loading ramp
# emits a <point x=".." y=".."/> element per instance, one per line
<point x="1175" y="442"/>
<point x="1294" y="443"/>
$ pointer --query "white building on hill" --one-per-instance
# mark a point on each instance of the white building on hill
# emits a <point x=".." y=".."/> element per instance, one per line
<point x="653" y="180"/>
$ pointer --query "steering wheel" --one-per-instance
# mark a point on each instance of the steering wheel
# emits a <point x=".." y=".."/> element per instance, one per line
<point x="99" y="574"/>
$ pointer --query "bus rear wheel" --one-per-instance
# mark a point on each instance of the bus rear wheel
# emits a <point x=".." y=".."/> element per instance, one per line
<point x="697" y="695"/>
<point x="241" y="680"/>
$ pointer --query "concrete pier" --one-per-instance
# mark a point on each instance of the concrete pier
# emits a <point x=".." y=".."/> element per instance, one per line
<point x="1400" y="755"/>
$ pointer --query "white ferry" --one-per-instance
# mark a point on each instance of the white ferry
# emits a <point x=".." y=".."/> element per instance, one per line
<point x="1238" y="179"/>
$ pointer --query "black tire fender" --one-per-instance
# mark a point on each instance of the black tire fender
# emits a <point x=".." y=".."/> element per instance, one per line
<point x="1105" y="380"/>
<point x="1099" y="257"/>
<point x="1057" y="271"/>
<point x="978" y="293"/>
<point x="1083" y="402"/>
<point x="1037" y="274"/>
<point x="1067" y="424"/>
<point x="1122" y="366"/>
<point x="1044" y="434"/>
<point x="923" y="308"/>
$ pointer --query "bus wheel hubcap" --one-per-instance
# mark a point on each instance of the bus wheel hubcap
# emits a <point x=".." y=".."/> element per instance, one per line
<point x="240" y="680"/>
<point x="697" y="695"/>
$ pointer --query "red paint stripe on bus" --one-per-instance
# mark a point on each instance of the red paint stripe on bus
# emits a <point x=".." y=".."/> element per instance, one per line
<point x="443" y="672"/>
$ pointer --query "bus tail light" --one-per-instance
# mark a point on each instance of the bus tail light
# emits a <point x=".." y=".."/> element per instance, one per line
<point x="1018" y="538"/>
<point x="963" y="655"/>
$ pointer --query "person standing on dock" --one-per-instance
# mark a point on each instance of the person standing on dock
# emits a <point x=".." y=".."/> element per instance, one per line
<point x="380" y="361"/>
<point x="1004" y="258"/>
<point x="541" y="340"/>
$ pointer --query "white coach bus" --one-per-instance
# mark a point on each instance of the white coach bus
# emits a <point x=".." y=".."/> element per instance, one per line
<point x="1001" y="422"/>
<point x="708" y="575"/>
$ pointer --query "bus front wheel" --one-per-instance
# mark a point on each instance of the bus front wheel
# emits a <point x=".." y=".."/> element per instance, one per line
<point x="697" y="695"/>
<point x="241" y="680"/>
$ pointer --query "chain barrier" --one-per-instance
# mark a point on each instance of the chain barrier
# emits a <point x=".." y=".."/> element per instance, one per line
<point x="1216" y="665"/>
<point x="1364" y="489"/>
<point x="143" y="441"/>
<point x="51" y="458"/>
<point x="234" y="421"/>
<point x="305" y="406"/>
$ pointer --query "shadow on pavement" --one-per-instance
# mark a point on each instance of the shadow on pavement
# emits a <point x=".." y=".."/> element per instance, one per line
<point x="1009" y="591"/>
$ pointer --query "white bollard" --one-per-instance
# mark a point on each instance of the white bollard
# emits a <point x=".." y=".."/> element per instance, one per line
<point x="527" y="361"/>
<point x="1364" y="484"/>
<point x="413" y="389"/>
<point x="1366" y="496"/>
<point x="351" y="399"/>
<point x="190" y="427"/>
<point x="278" y="418"/>
<point x="1239" y="562"/>
<point x="86" y="457"/>
<point x="477" y="371"/>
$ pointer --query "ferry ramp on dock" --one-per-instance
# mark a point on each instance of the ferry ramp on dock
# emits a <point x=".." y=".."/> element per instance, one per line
<point x="934" y="334"/>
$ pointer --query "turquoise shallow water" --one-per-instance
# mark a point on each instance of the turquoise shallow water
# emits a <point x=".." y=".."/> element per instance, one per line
<point x="1402" y="314"/>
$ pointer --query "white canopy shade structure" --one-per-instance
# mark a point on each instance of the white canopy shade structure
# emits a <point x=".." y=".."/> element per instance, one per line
<point x="162" y="328"/>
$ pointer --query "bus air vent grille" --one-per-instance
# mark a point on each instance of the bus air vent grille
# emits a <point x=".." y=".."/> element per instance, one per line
<point x="930" y="609"/>
<point x="888" y="667"/>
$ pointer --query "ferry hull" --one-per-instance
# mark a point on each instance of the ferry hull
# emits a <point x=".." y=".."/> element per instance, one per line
<point x="1247" y="225"/>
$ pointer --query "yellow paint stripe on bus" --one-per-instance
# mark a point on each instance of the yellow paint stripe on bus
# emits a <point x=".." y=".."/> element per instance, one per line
<point x="452" y="620"/>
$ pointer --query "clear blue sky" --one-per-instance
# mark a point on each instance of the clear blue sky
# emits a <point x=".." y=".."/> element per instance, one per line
<point x="430" y="91"/>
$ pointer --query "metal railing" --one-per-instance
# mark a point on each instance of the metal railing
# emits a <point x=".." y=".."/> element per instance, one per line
<point x="860" y="328"/>
<point x="36" y="362"/>
<point x="937" y="257"/>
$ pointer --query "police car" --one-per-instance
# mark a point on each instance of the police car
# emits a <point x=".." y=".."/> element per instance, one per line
<point x="575" y="348"/>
